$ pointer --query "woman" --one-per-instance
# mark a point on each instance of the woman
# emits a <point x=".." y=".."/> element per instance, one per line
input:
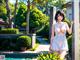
<point x="59" y="42"/>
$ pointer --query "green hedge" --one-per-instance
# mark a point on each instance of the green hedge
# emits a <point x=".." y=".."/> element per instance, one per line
<point x="15" y="42"/>
<point x="24" y="41"/>
<point x="8" y="43"/>
<point x="9" y="31"/>
<point x="4" y="43"/>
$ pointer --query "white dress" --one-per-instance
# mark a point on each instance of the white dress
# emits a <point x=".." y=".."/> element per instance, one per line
<point x="59" y="41"/>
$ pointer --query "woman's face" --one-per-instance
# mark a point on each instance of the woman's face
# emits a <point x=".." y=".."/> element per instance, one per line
<point x="59" y="18"/>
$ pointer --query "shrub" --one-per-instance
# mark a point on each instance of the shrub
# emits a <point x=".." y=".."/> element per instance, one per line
<point x="49" y="56"/>
<point x="9" y="31"/>
<point x="38" y="20"/>
<point x="21" y="14"/>
<point x="24" y="24"/>
<point x="24" y="41"/>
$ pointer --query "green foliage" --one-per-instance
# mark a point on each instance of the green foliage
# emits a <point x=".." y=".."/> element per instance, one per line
<point x="11" y="8"/>
<point x="21" y="14"/>
<point x="24" y="41"/>
<point x="49" y="56"/>
<point x="69" y="24"/>
<point x="59" y="3"/>
<point x="9" y="31"/>
<point x="3" y="11"/>
<point x="1" y="1"/>
<point x="41" y="2"/>
<point x="44" y="32"/>
<point x="70" y="41"/>
<point x="67" y="21"/>
<point x="38" y="20"/>
<point x="45" y="5"/>
<point x="4" y="43"/>
<point x="24" y="24"/>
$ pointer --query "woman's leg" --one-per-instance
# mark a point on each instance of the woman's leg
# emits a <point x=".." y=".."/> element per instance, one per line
<point x="52" y="51"/>
<point x="62" y="54"/>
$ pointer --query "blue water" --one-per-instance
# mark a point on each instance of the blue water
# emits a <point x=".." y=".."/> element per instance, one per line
<point x="18" y="59"/>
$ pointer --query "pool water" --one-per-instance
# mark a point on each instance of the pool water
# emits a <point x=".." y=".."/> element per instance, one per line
<point x="18" y="56"/>
<point x="18" y="59"/>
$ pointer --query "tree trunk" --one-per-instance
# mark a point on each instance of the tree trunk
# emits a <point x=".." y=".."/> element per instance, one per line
<point x="46" y="8"/>
<point x="16" y="4"/>
<point x="27" y="19"/>
<point x="51" y="22"/>
<point x="8" y="12"/>
<point x="15" y="8"/>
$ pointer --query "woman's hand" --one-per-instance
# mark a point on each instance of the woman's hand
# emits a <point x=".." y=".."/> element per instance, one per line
<point x="70" y="29"/>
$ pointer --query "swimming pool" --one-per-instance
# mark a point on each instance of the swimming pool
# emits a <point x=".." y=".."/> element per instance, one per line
<point x="18" y="59"/>
<point x="18" y="56"/>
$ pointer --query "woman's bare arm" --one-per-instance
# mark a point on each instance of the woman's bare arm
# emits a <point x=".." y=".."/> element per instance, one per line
<point x="70" y="29"/>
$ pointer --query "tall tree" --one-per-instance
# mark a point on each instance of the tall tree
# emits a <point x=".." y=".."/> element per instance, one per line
<point x="34" y="2"/>
<point x="28" y="14"/>
<point x="8" y="12"/>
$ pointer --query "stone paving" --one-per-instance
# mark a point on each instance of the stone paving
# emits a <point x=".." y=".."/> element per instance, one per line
<point x="42" y="48"/>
